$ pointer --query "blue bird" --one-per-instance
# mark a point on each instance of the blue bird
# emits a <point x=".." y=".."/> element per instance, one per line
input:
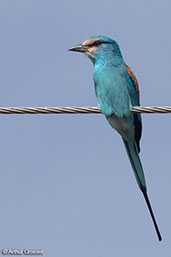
<point x="117" y="93"/>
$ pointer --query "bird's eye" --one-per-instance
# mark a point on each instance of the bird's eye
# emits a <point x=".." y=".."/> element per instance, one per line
<point x="96" y="43"/>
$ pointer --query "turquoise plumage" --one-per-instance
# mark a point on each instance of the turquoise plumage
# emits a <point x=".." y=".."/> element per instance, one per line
<point x="117" y="92"/>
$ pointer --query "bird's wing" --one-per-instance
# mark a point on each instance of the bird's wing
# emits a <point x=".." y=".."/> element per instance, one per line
<point x="137" y="117"/>
<point x="134" y="81"/>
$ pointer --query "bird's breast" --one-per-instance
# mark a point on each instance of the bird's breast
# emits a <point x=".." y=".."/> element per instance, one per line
<point x="112" y="91"/>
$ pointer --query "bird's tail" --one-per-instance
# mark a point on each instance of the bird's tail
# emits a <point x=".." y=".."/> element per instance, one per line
<point x="133" y="155"/>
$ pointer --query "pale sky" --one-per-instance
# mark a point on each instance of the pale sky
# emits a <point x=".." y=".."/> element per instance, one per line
<point x="67" y="186"/>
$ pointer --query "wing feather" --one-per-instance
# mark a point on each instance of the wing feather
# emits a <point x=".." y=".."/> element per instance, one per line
<point x="134" y="81"/>
<point x="137" y="117"/>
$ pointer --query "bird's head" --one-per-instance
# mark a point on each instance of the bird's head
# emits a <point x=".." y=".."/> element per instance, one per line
<point x="98" y="48"/>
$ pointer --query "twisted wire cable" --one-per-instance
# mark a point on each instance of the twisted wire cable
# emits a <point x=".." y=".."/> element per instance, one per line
<point x="77" y="110"/>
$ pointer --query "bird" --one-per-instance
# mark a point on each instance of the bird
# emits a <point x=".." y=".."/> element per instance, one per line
<point x="117" y="91"/>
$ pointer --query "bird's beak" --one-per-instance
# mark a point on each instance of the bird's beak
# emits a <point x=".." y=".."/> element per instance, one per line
<point x="79" y="48"/>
